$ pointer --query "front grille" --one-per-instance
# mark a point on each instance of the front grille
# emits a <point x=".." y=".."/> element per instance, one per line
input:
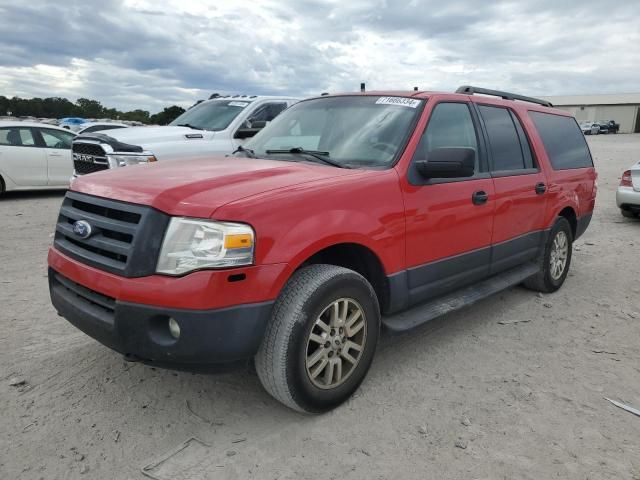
<point x="124" y="238"/>
<point x="88" y="158"/>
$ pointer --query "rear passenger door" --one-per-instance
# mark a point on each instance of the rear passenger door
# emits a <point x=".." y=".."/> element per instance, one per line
<point x="20" y="157"/>
<point x="520" y="189"/>
<point x="448" y="221"/>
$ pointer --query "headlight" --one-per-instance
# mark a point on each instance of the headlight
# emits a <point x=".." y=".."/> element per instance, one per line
<point x="191" y="244"/>
<point x="124" y="159"/>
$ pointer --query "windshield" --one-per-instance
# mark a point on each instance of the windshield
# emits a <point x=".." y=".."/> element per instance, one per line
<point x="351" y="130"/>
<point x="212" y="115"/>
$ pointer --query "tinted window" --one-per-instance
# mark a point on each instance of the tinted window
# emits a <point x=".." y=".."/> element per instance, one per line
<point x="267" y="112"/>
<point x="16" y="137"/>
<point x="57" y="139"/>
<point x="450" y="125"/>
<point x="563" y="141"/>
<point x="504" y="141"/>
<point x="524" y="144"/>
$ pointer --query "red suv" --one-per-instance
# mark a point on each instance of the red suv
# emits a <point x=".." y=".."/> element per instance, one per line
<point x="346" y="214"/>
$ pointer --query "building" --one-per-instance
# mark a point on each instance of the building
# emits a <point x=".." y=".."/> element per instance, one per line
<point x="624" y="108"/>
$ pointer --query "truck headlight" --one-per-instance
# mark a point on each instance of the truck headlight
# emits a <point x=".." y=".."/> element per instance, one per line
<point x="124" y="159"/>
<point x="192" y="244"/>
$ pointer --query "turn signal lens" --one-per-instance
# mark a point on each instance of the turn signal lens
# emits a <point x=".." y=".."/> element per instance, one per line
<point x="238" y="241"/>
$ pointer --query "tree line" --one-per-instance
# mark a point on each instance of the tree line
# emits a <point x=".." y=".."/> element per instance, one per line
<point x="57" y="107"/>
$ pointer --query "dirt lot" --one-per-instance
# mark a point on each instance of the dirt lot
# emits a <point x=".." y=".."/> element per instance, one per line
<point x="466" y="397"/>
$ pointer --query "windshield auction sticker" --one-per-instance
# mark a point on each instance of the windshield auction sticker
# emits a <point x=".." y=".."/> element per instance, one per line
<point x="400" y="101"/>
<point x="238" y="104"/>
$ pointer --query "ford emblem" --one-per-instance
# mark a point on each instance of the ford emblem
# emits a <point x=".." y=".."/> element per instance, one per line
<point x="82" y="228"/>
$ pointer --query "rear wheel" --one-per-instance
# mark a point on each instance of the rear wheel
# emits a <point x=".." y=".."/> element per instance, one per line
<point x="321" y="339"/>
<point x="555" y="260"/>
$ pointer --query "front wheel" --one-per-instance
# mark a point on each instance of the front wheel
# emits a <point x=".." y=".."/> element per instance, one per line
<point x="554" y="260"/>
<point x="321" y="339"/>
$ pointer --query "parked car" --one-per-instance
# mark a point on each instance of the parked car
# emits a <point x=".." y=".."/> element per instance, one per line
<point x="349" y="212"/>
<point x="603" y="126"/>
<point x="590" y="128"/>
<point x="628" y="193"/>
<point x="34" y="156"/>
<point x="91" y="127"/>
<point x="71" y="123"/>
<point x="612" y="126"/>
<point x="216" y="126"/>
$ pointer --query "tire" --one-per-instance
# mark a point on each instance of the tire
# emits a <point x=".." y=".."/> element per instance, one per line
<point x="549" y="279"/>
<point x="288" y="349"/>
<point x="2" y="187"/>
<point x="628" y="214"/>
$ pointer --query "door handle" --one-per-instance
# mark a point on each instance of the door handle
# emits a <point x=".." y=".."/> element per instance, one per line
<point x="480" y="197"/>
<point x="540" y="188"/>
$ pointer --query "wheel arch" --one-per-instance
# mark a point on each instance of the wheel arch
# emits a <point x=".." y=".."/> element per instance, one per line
<point x="569" y="213"/>
<point x="355" y="256"/>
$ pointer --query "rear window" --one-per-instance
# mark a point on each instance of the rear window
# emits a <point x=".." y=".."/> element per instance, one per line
<point x="563" y="140"/>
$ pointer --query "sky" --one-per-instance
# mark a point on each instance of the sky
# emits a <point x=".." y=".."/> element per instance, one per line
<point x="132" y="54"/>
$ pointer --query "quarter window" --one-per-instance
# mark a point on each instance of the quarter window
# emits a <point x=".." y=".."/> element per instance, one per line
<point x="563" y="140"/>
<point x="506" y="150"/>
<point x="17" y="137"/>
<point x="450" y="125"/>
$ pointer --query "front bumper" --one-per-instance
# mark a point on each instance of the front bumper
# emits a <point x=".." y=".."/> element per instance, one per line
<point x="207" y="337"/>
<point x="628" y="199"/>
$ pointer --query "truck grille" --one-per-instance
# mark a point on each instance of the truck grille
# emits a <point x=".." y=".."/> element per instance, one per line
<point x="88" y="158"/>
<point x="121" y="238"/>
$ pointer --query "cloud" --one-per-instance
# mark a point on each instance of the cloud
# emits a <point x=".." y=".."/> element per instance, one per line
<point x="142" y="54"/>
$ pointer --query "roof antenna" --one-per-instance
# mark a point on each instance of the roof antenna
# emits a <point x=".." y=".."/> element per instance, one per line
<point x="415" y="89"/>
<point x="362" y="89"/>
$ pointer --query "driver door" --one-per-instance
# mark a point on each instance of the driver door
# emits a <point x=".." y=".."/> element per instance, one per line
<point x="57" y="145"/>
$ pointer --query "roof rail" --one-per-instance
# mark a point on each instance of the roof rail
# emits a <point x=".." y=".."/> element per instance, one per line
<point x="468" y="90"/>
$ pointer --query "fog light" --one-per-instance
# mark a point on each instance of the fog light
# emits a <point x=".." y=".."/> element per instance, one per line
<point x="174" y="328"/>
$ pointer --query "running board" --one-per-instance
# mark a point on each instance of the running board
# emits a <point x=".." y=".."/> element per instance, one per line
<point x="416" y="316"/>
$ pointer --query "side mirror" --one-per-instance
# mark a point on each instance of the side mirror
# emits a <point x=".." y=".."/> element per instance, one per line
<point x="246" y="132"/>
<point x="448" y="162"/>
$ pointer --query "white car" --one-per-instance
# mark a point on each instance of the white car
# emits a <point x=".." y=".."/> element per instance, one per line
<point x="90" y="127"/>
<point x="590" y="128"/>
<point x="34" y="156"/>
<point x="628" y="193"/>
<point x="213" y="127"/>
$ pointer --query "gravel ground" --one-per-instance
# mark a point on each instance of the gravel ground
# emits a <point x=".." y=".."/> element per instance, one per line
<point x="466" y="397"/>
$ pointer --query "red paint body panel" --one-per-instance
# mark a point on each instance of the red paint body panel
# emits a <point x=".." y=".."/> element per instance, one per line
<point x="298" y="209"/>
<point x="206" y="289"/>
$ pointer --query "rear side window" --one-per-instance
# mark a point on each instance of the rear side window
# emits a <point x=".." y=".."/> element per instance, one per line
<point x="563" y="140"/>
<point x="507" y="151"/>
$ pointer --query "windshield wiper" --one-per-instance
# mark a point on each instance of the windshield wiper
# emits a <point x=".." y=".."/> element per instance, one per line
<point x="322" y="156"/>
<point x="189" y="125"/>
<point x="247" y="151"/>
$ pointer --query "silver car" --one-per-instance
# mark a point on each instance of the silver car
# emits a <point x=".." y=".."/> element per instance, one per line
<point x="590" y="128"/>
<point x="628" y="194"/>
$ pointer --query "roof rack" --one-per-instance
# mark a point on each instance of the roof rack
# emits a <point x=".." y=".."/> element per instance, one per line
<point x="468" y="90"/>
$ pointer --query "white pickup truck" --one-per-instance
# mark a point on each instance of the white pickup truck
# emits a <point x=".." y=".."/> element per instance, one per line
<point x="215" y="126"/>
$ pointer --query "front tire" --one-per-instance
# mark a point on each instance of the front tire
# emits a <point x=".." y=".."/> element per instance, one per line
<point x="321" y="339"/>
<point x="554" y="261"/>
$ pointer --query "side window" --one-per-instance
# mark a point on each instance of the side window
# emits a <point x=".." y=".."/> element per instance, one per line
<point x="506" y="150"/>
<point x="450" y="125"/>
<point x="17" y="137"/>
<point x="563" y="140"/>
<point x="529" y="162"/>
<point x="267" y="112"/>
<point x="56" y="139"/>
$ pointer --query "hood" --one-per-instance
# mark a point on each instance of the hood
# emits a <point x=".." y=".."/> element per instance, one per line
<point x="143" y="136"/>
<point x="197" y="188"/>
